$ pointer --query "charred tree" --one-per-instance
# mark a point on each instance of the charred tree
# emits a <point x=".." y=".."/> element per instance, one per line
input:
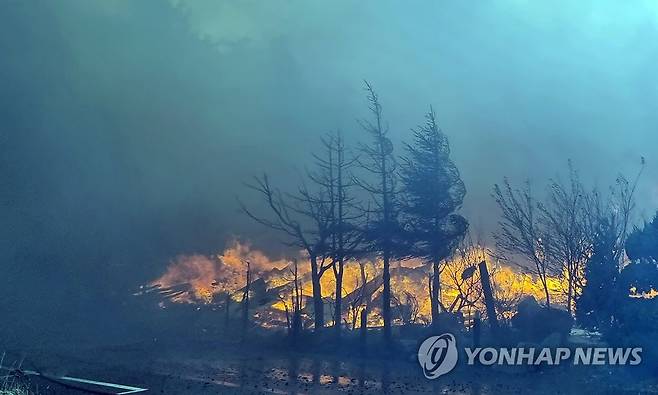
<point x="333" y="175"/>
<point x="364" y="329"/>
<point x="462" y="277"/>
<point x="305" y="219"/>
<point x="489" y="301"/>
<point x="558" y="234"/>
<point x="296" y="325"/>
<point x="378" y="161"/>
<point x="521" y="233"/>
<point x="564" y="217"/>
<point x="245" y="302"/>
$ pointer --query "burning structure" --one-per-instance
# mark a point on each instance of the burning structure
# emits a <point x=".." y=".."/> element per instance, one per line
<point x="220" y="282"/>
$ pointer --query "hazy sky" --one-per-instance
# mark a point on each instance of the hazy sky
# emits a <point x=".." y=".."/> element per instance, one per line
<point x="519" y="86"/>
<point x="128" y="128"/>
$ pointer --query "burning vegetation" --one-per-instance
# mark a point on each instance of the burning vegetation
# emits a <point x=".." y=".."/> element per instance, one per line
<point x="219" y="282"/>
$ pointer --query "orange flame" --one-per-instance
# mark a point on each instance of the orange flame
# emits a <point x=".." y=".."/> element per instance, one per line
<point x="204" y="277"/>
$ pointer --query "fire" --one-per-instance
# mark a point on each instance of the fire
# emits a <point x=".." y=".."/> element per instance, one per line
<point x="633" y="293"/>
<point x="200" y="279"/>
<point x="192" y="271"/>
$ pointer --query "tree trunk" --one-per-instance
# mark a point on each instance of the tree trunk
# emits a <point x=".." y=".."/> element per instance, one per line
<point x="296" y="325"/>
<point x="338" y="308"/>
<point x="318" y="305"/>
<point x="296" y="307"/>
<point x="548" y="297"/>
<point x="386" y="298"/>
<point x="489" y="301"/>
<point x="364" y="328"/>
<point x="569" y="294"/>
<point x="245" y="303"/>
<point x="338" y="313"/>
<point x="436" y="286"/>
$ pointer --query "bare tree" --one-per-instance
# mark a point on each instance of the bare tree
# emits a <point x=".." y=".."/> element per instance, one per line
<point x="609" y="221"/>
<point x="293" y="307"/>
<point x="360" y="301"/>
<point x="615" y="211"/>
<point x="558" y="233"/>
<point x="521" y="233"/>
<point x="379" y="162"/>
<point x="461" y="276"/>
<point x="564" y="216"/>
<point x="305" y="219"/>
<point x="334" y="177"/>
<point x="245" y="301"/>
<point x="296" y="325"/>
<point x="621" y="207"/>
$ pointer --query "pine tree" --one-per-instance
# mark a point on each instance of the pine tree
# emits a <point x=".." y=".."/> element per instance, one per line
<point x="432" y="193"/>
<point x="595" y="306"/>
<point x="643" y="243"/>
<point x="641" y="274"/>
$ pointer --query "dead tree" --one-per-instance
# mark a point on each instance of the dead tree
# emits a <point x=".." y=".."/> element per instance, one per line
<point x="489" y="301"/>
<point x="296" y="325"/>
<point x="378" y="161"/>
<point x="557" y="234"/>
<point x="333" y="175"/>
<point x="521" y="233"/>
<point x="286" y="309"/>
<point x="564" y="217"/>
<point x="616" y="211"/>
<point x="361" y="302"/>
<point x="609" y="221"/>
<point x="462" y="277"/>
<point x="364" y="330"/>
<point x="292" y="307"/>
<point x="366" y="298"/>
<point x="245" y="301"/>
<point x="305" y="219"/>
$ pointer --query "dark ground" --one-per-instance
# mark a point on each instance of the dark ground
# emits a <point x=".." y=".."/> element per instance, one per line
<point x="206" y="367"/>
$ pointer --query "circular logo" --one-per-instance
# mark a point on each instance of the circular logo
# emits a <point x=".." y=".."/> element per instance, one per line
<point x="437" y="355"/>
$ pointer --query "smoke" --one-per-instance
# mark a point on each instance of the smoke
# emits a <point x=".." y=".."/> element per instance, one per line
<point x="519" y="86"/>
<point x="203" y="276"/>
<point x="128" y="128"/>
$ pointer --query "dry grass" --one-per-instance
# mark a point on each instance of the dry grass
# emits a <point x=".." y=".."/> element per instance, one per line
<point x="10" y="384"/>
<point x="15" y="391"/>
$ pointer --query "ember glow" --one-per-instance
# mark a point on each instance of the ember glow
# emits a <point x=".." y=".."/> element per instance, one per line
<point x="201" y="277"/>
<point x="208" y="280"/>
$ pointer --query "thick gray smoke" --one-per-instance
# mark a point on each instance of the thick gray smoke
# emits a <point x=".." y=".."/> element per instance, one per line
<point x="128" y="128"/>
